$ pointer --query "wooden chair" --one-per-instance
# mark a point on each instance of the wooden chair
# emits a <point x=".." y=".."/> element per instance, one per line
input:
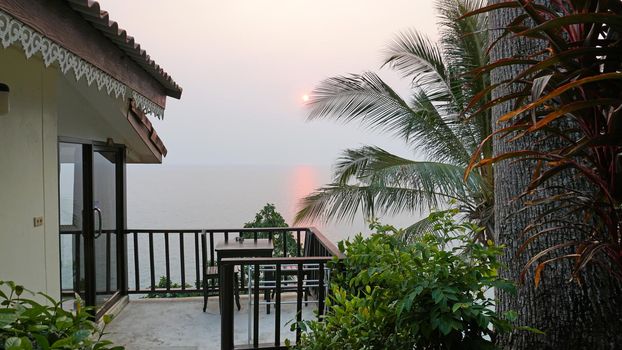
<point x="290" y="273"/>
<point x="285" y="286"/>
<point x="211" y="273"/>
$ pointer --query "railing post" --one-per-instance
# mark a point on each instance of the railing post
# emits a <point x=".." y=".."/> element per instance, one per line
<point x="321" y="291"/>
<point x="136" y="263"/>
<point x="299" y="292"/>
<point x="277" y="307"/>
<point x="151" y="262"/>
<point x="167" y="260"/>
<point x="226" y="316"/>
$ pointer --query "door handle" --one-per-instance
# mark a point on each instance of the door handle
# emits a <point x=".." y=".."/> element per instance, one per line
<point x="99" y="229"/>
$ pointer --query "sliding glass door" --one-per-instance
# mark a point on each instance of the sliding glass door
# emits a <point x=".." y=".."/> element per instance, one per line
<point x="72" y="233"/>
<point x="92" y="219"/>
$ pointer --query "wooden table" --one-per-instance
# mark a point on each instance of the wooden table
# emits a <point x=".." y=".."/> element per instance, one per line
<point x="249" y="248"/>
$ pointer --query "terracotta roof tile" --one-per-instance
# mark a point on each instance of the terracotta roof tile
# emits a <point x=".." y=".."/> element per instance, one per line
<point x="90" y="10"/>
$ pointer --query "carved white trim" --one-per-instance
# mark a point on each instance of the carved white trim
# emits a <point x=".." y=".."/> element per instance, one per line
<point x="14" y="32"/>
<point x="146" y="105"/>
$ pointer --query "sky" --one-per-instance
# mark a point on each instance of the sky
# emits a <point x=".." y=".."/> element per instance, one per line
<point x="245" y="66"/>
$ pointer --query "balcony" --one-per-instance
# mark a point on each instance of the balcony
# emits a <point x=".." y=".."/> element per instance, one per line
<point x="274" y="291"/>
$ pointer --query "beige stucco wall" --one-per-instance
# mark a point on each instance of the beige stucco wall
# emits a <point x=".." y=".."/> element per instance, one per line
<point x="29" y="255"/>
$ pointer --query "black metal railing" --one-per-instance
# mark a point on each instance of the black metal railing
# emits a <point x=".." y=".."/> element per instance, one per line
<point x="182" y="255"/>
<point x="318" y="250"/>
<point x="174" y="255"/>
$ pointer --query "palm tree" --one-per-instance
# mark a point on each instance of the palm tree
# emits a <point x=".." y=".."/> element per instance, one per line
<point x="432" y="121"/>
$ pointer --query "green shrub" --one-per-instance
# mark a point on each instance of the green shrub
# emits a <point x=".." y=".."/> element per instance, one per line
<point x="26" y="324"/>
<point x="428" y="294"/>
<point x="167" y="283"/>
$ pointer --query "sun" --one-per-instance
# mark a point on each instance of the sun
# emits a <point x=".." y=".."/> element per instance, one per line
<point x="305" y="98"/>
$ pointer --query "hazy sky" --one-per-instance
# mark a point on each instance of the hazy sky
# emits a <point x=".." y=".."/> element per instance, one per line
<point x="244" y="66"/>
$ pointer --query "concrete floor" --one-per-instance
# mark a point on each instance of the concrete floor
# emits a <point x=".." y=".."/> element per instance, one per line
<point x="181" y="324"/>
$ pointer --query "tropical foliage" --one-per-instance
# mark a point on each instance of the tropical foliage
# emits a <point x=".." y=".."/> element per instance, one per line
<point x="430" y="294"/>
<point x="429" y="121"/>
<point x="568" y="93"/>
<point x="26" y="324"/>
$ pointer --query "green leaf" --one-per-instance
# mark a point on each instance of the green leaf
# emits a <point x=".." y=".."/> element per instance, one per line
<point x="26" y="344"/>
<point x="81" y="335"/>
<point x="63" y="322"/>
<point x="61" y="343"/>
<point x="438" y="295"/>
<point x="504" y="285"/>
<point x="530" y="329"/>
<point x="13" y="343"/>
<point x="444" y="327"/>
<point x="457" y="306"/>
<point x="7" y="317"/>
<point x="42" y="341"/>
<point x="38" y="328"/>
<point x="511" y="315"/>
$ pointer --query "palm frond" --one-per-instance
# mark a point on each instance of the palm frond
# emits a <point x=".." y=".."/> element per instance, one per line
<point x="376" y="182"/>
<point x="433" y="81"/>
<point x="440" y="135"/>
<point x="371" y="164"/>
<point x="416" y="57"/>
<point x="341" y="202"/>
<point x="464" y="45"/>
<point x="367" y="98"/>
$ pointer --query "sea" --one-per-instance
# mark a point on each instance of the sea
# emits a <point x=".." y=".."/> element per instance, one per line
<point x="227" y="196"/>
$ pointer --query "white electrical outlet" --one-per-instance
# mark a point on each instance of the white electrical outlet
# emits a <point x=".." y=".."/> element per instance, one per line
<point x="38" y="221"/>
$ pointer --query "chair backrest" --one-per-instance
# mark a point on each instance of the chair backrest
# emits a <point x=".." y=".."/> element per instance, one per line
<point x="308" y="246"/>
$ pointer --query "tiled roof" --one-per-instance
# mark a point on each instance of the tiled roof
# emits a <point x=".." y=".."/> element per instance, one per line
<point x="92" y="13"/>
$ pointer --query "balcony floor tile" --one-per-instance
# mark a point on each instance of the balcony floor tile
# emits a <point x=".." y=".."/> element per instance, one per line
<point x="181" y="324"/>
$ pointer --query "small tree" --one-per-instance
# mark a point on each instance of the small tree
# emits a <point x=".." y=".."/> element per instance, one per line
<point x="268" y="216"/>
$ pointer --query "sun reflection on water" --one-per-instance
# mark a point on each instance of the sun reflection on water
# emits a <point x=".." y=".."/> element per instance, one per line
<point x="303" y="180"/>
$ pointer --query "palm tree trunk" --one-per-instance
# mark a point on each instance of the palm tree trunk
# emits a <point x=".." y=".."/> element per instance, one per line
<point x="573" y="315"/>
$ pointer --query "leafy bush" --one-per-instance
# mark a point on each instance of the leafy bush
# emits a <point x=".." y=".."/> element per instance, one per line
<point x="429" y="294"/>
<point x="26" y="325"/>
